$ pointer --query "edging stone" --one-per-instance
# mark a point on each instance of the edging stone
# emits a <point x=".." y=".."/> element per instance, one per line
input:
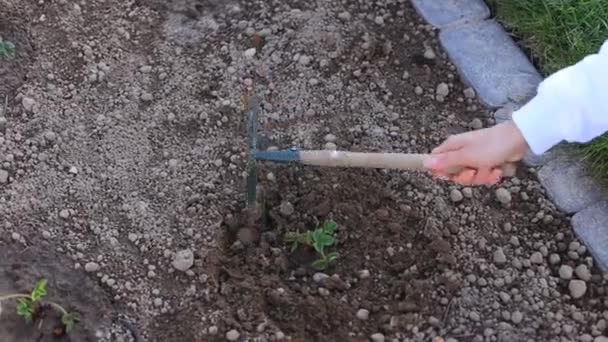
<point x="570" y="186"/>
<point x="591" y="227"/>
<point x="489" y="61"/>
<point x="441" y="13"/>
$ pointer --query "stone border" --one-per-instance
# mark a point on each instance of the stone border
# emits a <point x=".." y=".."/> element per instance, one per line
<point x="489" y="61"/>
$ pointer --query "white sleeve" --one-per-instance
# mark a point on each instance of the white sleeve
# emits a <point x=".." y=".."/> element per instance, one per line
<point x="570" y="105"/>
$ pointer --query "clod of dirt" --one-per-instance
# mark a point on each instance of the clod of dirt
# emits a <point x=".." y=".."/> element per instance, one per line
<point x="456" y="196"/>
<point x="499" y="256"/>
<point x="443" y="90"/>
<point x="232" y="335"/>
<point x="582" y="272"/>
<point x="565" y="272"/>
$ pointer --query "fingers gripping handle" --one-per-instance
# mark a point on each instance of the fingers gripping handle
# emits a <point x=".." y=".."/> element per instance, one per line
<point x="401" y="161"/>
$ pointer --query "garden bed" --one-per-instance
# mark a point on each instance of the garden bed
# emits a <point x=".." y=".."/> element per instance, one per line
<point x="125" y="149"/>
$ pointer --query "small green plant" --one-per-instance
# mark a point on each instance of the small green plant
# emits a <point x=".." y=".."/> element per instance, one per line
<point x="7" y="49"/>
<point x="29" y="304"/>
<point x="319" y="239"/>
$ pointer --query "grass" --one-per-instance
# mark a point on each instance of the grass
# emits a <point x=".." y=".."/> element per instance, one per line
<point x="557" y="34"/>
<point x="7" y="49"/>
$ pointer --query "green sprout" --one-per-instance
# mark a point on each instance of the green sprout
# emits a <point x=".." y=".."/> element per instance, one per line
<point x="7" y="49"/>
<point x="319" y="239"/>
<point x="29" y="304"/>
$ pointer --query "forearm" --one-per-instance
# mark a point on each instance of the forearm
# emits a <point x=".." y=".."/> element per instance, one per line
<point x="571" y="105"/>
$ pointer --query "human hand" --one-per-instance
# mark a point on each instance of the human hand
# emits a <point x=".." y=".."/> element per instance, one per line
<point x="480" y="153"/>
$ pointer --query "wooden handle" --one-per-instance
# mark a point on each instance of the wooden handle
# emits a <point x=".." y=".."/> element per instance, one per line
<point x="401" y="161"/>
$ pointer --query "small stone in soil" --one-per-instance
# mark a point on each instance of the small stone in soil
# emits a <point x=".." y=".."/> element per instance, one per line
<point x="363" y="274"/>
<point x="3" y="177"/>
<point x="147" y="97"/>
<point x="443" y="90"/>
<point x="183" y="260"/>
<point x="64" y="214"/>
<point x="286" y="208"/>
<point x="249" y="53"/>
<point x="582" y="272"/>
<point x="377" y="337"/>
<point x="503" y="195"/>
<point x="213" y="330"/>
<point x="517" y="317"/>
<point x="565" y="272"/>
<point x="469" y="93"/>
<point x="91" y="267"/>
<point x="536" y="258"/>
<point x="499" y="256"/>
<point x="577" y="288"/>
<point x="363" y="314"/>
<point x="456" y="196"/>
<point x="429" y="54"/>
<point x="232" y="335"/>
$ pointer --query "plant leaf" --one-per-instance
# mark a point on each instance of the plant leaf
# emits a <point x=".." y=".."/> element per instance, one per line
<point x="69" y="320"/>
<point x="25" y="309"/>
<point x="332" y="256"/>
<point x="39" y="289"/>
<point x="320" y="264"/>
<point x="324" y="239"/>
<point x="330" y="227"/>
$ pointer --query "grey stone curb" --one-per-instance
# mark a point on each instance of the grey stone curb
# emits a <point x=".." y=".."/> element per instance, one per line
<point x="490" y="62"/>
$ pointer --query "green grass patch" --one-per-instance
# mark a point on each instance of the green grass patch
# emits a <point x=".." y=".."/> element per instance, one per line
<point x="557" y="34"/>
<point x="7" y="49"/>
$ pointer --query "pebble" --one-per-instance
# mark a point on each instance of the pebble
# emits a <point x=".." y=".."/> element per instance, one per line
<point x="183" y="260"/>
<point x="474" y="316"/>
<point x="429" y="54"/>
<point x="565" y="272"/>
<point x="600" y="339"/>
<point x="363" y="314"/>
<point x="64" y="214"/>
<point x="318" y="277"/>
<point x="577" y="288"/>
<point x="330" y="138"/>
<point x="476" y="124"/>
<point x="213" y="330"/>
<point x="469" y="93"/>
<point x="304" y="60"/>
<point x="503" y="195"/>
<point x="249" y="53"/>
<point x="554" y="259"/>
<point x="379" y="20"/>
<point x="91" y="267"/>
<point x="16" y="236"/>
<point x="50" y="136"/>
<point x="286" y="208"/>
<point x="145" y="69"/>
<point x="28" y="104"/>
<point x="147" y="97"/>
<point x="344" y="16"/>
<point x="499" y="256"/>
<point x="232" y="335"/>
<point x="582" y="272"/>
<point x="418" y="90"/>
<point x="467" y="192"/>
<point x="456" y="196"/>
<point x="517" y="317"/>
<point x="443" y="90"/>
<point x="46" y="234"/>
<point x="377" y="337"/>
<point x="158" y="302"/>
<point x="3" y="176"/>
<point x="536" y="258"/>
<point x="364" y="274"/>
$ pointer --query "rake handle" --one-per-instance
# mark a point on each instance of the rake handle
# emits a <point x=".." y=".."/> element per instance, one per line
<point x="401" y="161"/>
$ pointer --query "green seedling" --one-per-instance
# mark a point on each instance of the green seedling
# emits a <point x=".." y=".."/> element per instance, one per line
<point x="29" y="304"/>
<point x="7" y="49"/>
<point x="319" y="239"/>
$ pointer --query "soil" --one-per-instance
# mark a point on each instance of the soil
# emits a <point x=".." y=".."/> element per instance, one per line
<point x="125" y="148"/>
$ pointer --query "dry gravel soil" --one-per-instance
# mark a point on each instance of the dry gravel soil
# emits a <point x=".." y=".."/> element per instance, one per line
<point x="122" y="164"/>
